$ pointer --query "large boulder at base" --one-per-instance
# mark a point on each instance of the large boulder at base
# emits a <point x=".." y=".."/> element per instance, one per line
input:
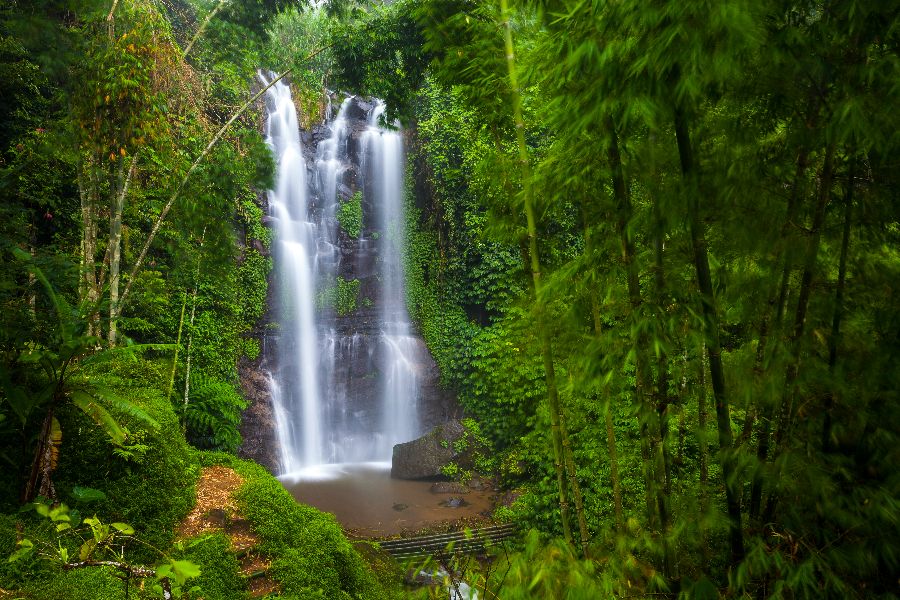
<point x="424" y="457"/>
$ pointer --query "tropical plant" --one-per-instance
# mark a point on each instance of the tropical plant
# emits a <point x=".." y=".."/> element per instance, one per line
<point x="39" y="378"/>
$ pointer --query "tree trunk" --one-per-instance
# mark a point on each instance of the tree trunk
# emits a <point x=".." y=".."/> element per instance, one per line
<point x="115" y="244"/>
<point x="187" y="365"/>
<point x="546" y="347"/>
<point x="804" y="293"/>
<point x="768" y="330"/>
<point x="90" y="294"/>
<point x="713" y="345"/>
<point x="177" y="347"/>
<point x="835" y="338"/>
<point x="642" y="366"/>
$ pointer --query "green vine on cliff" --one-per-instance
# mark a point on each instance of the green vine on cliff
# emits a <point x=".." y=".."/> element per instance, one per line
<point x="350" y="215"/>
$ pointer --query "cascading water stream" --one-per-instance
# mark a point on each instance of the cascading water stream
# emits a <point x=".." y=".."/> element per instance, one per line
<point x="400" y="386"/>
<point x="343" y="391"/>
<point x="295" y="255"/>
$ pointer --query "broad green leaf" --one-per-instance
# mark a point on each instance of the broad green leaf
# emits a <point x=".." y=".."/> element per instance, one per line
<point x="123" y="528"/>
<point x="25" y="548"/>
<point x="87" y="548"/>
<point x="184" y="570"/>
<point x="87" y="494"/>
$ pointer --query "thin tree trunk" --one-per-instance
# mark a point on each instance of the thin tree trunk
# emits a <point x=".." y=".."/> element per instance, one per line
<point x="584" y="536"/>
<point x="606" y="400"/>
<point x="835" y="338"/>
<point x="187" y="364"/>
<point x="89" y="290"/>
<point x="713" y="348"/>
<point x="804" y="293"/>
<point x="115" y="245"/>
<point x="546" y="347"/>
<point x="767" y="331"/>
<point x="39" y="479"/>
<point x="177" y="347"/>
<point x="642" y="365"/>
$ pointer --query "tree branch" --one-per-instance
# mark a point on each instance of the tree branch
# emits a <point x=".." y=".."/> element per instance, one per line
<point x="165" y="211"/>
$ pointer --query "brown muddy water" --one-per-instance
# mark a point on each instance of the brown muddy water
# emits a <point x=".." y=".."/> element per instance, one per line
<point x="369" y="503"/>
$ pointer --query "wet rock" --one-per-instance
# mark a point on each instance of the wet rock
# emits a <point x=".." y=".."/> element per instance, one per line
<point x="454" y="503"/>
<point x="344" y="191"/>
<point x="268" y="221"/>
<point x="448" y="487"/>
<point x="259" y="247"/>
<point x="260" y="442"/>
<point x="400" y="506"/>
<point x="479" y="485"/>
<point x="426" y="456"/>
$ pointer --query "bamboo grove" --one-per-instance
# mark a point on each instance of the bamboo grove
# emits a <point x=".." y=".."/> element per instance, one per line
<point x="703" y="196"/>
<point x="652" y="246"/>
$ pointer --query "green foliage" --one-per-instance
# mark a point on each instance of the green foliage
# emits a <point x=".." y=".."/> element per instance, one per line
<point x="350" y="215"/>
<point x="342" y="297"/>
<point x="90" y="543"/>
<point x="220" y="577"/>
<point x="377" y="51"/>
<point x="212" y="417"/>
<point x="155" y="490"/>
<point x="80" y="584"/>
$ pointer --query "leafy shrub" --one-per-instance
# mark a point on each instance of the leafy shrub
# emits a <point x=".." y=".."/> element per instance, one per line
<point x="153" y="491"/>
<point x="213" y="415"/>
<point x="82" y="584"/>
<point x="340" y="297"/>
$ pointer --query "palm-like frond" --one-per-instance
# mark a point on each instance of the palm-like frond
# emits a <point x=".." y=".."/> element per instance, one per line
<point x="92" y="408"/>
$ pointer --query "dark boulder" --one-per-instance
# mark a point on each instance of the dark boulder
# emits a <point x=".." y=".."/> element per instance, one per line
<point x="426" y="456"/>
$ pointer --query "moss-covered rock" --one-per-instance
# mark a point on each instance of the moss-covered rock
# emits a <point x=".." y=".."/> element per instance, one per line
<point x="311" y="557"/>
<point x="220" y="577"/>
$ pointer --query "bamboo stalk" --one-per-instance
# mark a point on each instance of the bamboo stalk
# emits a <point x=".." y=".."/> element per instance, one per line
<point x="546" y="347"/>
<point x="835" y="337"/>
<point x="713" y="344"/>
<point x="804" y="294"/>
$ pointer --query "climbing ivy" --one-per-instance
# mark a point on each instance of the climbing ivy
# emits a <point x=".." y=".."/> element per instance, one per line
<point x="341" y="296"/>
<point x="350" y="215"/>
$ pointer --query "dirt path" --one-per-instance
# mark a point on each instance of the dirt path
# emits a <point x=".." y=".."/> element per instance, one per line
<point x="216" y="511"/>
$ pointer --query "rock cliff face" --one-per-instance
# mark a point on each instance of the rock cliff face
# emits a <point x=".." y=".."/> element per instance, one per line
<point x="353" y="339"/>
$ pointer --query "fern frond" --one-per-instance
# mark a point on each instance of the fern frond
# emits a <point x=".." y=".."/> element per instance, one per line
<point x="124" y="406"/>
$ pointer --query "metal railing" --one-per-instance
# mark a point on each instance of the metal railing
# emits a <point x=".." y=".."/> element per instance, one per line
<point x="469" y="541"/>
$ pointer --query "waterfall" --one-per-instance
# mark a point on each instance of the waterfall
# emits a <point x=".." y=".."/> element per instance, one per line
<point x="399" y="389"/>
<point x="346" y="386"/>
<point x="297" y="407"/>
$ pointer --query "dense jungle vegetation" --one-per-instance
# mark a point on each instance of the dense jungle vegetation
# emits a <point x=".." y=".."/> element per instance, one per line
<point x="653" y="247"/>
